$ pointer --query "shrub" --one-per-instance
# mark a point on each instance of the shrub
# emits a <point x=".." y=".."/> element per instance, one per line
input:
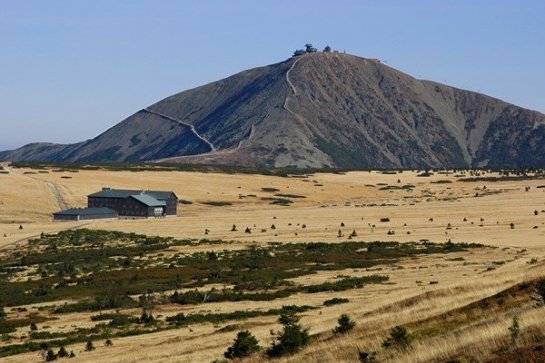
<point x="50" y="355"/>
<point x="399" y="338"/>
<point x="62" y="352"/>
<point x="335" y="301"/>
<point x="345" y="325"/>
<point x="108" y="343"/>
<point x="146" y="318"/>
<point x="216" y="203"/>
<point x="89" y="346"/>
<point x="244" y="345"/>
<point x="33" y="326"/>
<point x="292" y="338"/>
<point x="2" y="313"/>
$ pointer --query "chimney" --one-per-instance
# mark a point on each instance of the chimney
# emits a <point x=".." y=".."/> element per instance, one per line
<point x="106" y="188"/>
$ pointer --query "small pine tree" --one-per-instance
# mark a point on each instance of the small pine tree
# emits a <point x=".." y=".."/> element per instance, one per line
<point x="33" y="326"/>
<point x="146" y="318"/>
<point x="234" y="228"/>
<point x="345" y="325"/>
<point x="108" y="343"/>
<point x="62" y="352"/>
<point x="287" y="318"/>
<point x="514" y="329"/>
<point x="89" y="346"/>
<point x="292" y="338"/>
<point x="50" y="355"/>
<point x="244" y="345"/>
<point x="399" y="338"/>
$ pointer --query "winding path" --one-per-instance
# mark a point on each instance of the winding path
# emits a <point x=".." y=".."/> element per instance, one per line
<point x="212" y="147"/>
<point x="292" y="86"/>
<point x="53" y="187"/>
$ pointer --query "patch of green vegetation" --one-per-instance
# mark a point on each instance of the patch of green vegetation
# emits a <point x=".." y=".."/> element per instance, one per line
<point x="143" y="267"/>
<point x="278" y="201"/>
<point x="78" y="264"/>
<point x="10" y="325"/>
<point x="293" y="196"/>
<point x="335" y="301"/>
<point x="216" y="203"/>
<point x="199" y="297"/>
<point x="182" y="319"/>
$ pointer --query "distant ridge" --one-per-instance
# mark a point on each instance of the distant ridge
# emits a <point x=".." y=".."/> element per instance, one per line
<point x="317" y="110"/>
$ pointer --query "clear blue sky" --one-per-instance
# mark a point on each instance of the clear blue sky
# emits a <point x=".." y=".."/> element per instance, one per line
<point x="70" y="69"/>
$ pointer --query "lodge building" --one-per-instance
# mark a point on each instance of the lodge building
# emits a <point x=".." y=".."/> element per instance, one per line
<point x="113" y="203"/>
<point x="135" y="203"/>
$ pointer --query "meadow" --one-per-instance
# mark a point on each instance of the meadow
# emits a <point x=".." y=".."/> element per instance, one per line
<point x="451" y="256"/>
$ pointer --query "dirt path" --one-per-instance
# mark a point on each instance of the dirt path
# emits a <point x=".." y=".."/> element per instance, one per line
<point x="212" y="147"/>
<point x="292" y="86"/>
<point x="58" y="195"/>
<point x="53" y="187"/>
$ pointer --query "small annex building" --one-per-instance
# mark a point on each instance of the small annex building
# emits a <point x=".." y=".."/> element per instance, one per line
<point x="135" y="203"/>
<point x="82" y="214"/>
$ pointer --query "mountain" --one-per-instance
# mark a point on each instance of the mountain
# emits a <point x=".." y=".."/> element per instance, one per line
<point x="317" y="110"/>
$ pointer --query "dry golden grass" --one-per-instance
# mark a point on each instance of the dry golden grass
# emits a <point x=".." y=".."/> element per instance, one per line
<point x="354" y="199"/>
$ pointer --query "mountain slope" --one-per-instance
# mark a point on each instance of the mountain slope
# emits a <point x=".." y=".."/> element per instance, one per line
<point x="316" y="110"/>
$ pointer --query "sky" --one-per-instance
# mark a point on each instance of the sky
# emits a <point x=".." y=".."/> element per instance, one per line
<point x="70" y="69"/>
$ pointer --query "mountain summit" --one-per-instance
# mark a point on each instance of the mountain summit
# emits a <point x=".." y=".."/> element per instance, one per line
<point x="319" y="109"/>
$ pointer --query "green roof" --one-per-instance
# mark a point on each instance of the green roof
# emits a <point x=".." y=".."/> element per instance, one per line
<point x="86" y="211"/>
<point x="125" y="193"/>
<point x="149" y="200"/>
